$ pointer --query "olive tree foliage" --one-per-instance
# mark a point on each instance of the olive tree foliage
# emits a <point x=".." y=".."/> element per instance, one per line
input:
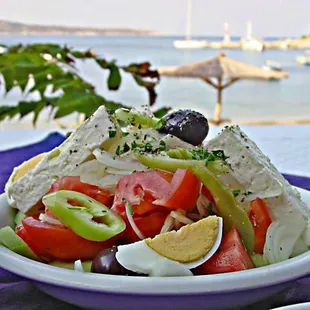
<point x="52" y="67"/>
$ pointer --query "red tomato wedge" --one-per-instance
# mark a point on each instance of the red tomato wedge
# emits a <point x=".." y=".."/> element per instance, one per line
<point x="52" y="242"/>
<point x="260" y="219"/>
<point x="140" y="189"/>
<point x="231" y="256"/>
<point x="74" y="184"/>
<point x="172" y="191"/>
<point x="183" y="193"/>
<point x="150" y="226"/>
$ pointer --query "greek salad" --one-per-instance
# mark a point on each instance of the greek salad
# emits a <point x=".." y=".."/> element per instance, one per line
<point x="130" y="194"/>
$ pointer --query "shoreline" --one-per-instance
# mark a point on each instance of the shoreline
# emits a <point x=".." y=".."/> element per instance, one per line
<point x="64" y="125"/>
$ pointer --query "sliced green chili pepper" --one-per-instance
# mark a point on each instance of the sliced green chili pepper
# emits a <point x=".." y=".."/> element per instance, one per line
<point x="80" y="218"/>
<point x="226" y="204"/>
<point x="131" y="116"/>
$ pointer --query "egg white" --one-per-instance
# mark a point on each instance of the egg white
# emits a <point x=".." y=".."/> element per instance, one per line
<point x="141" y="258"/>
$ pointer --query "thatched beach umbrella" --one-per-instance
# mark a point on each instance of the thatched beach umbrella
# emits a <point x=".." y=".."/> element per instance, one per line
<point x="220" y="72"/>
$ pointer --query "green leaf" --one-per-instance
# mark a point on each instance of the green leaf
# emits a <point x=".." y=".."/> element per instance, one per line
<point x="78" y="101"/>
<point x="39" y="107"/>
<point x="26" y="107"/>
<point x="8" y="111"/>
<point x="115" y="79"/>
<point x="8" y="77"/>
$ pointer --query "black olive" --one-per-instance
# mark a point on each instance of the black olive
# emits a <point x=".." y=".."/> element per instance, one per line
<point x="190" y="126"/>
<point x="105" y="262"/>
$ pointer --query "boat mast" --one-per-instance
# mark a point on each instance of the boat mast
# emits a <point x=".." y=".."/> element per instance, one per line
<point x="188" y="19"/>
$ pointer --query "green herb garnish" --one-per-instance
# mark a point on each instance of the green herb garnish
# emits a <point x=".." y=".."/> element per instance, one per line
<point x="162" y="146"/>
<point x="112" y="133"/>
<point x="236" y="192"/>
<point x="118" y="151"/>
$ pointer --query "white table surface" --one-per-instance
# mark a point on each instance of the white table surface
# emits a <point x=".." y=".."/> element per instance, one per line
<point x="287" y="146"/>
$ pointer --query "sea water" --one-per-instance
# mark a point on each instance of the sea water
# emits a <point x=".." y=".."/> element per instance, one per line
<point x="244" y="101"/>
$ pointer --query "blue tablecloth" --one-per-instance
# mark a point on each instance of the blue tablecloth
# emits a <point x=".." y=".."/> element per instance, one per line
<point x="18" y="293"/>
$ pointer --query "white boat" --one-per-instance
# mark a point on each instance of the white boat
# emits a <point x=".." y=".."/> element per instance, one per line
<point x="249" y="43"/>
<point x="272" y="65"/>
<point x="188" y="43"/>
<point x="304" y="59"/>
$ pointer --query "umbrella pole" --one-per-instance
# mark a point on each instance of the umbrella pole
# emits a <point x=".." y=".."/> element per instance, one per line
<point x="218" y="105"/>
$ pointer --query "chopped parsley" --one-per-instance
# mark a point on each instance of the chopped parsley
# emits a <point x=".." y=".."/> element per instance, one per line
<point x="121" y="150"/>
<point x="236" y="192"/>
<point x="162" y="146"/>
<point x="148" y="147"/>
<point x="134" y="145"/>
<point x="112" y="133"/>
<point x="202" y="154"/>
<point x="125" y="134"/>
<point x="118" y="150"/>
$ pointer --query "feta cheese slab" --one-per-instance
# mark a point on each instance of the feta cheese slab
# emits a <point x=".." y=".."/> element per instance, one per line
<point x="94" y="133"/>
<point x="258" y="176"/>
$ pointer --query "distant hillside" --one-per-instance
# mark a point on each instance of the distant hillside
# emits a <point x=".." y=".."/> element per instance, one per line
<point x="10" y="28"/>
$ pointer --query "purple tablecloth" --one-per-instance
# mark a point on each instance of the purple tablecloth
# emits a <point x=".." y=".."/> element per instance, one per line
<point x="18" y="293"/>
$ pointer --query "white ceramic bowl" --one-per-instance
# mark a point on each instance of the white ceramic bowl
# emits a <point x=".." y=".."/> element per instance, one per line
<point x="302" y="306"/>
<point x="120" y="292"/>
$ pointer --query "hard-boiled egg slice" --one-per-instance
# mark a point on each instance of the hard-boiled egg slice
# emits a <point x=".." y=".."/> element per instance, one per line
<point x="176" y="252"/>
<point x="140" y="258"/>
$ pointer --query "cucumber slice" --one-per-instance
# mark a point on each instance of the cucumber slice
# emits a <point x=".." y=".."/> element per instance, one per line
<point x="259" y="260"/>
<point x="14" y="243"/>
<point x="86" y="265"/>
<point x="19" y="217"/>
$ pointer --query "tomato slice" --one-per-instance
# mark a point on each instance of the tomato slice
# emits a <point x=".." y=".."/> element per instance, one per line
<point x="53" y="242"/>
<point x="260" y="219"/>
<point x="154" y="189"/>
<point x="184" y="191"/>
<point x="231" y="256"/>
<point x="74" y="184"/>
<point x="140" y="189"/>
<point x="150" y="226"/>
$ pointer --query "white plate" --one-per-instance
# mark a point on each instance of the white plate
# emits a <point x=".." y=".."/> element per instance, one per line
<point x="113" y="292"/>
<point x="302" y="306"/>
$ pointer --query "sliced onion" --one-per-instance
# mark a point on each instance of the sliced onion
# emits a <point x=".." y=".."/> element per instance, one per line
<point x="109" y="182"/>
<point x="282" y="236"/>
<point x="132" y="223"/>
<point x="300" y="247"/>
<point x="114" y="162"/>
<point x="90" y="172"/>
<point x="306" y="233"/>
<point x="78" y="266"/>
<point x="93" y="165"/>
<point x="194" y="216"/>
<point x="47" y="219"/>
<point x="202" y="203"/>
<point x="168" y="224"/>
<point x="180" y="217"/>
<point x="118" y="171"/>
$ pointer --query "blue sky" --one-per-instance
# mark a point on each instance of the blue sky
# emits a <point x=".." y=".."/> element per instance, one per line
<point x="269" y="17"/>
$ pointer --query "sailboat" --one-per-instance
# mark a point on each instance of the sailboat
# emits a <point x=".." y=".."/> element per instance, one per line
<point x="249" y="43"/>
<point x="188" y="43"/>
